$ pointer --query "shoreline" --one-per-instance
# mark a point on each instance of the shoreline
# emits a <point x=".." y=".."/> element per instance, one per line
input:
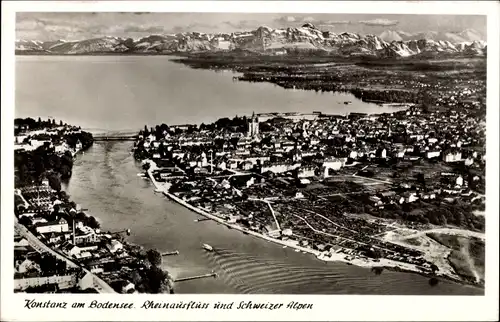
<point x="322" y="256"/>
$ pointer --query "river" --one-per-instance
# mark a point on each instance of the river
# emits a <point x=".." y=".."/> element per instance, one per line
<point x="127" y="92"/>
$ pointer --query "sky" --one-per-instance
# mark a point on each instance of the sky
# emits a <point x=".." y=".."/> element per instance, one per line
<point x="47" y="26"/>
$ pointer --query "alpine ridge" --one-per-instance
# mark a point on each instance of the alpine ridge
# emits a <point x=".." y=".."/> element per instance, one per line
<point x="275" y="41"/>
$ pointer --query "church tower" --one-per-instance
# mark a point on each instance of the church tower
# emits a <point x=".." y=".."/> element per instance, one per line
<point x="253" y="126"/>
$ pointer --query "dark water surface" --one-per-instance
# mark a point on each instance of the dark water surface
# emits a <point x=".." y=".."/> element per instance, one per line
<point x="105" y="181"/>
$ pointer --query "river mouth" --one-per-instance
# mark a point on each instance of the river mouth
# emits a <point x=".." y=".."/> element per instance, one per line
<point x="105" y="181"/>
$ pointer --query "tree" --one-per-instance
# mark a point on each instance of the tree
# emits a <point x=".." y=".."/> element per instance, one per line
<point x="54" y="181"/>
<point x="234" y="141"/>
<point x="421" y="178"/>
<point x="156" y="278"/>
<point x="93" y="223"/>
<point x="26" y="221"/>
<point x="136" y="278"/>
<point x="154" y="257"/>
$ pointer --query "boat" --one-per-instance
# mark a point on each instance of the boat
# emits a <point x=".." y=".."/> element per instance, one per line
<point x="347" y="102"/>
<point x="208" y="247"/>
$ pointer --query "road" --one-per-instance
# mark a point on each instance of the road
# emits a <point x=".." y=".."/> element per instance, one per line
<point x="372" y="179"/>
<point x="100" y="285"/>
<point x="271" y="209"/>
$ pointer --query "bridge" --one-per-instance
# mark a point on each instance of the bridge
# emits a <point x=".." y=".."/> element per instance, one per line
<point x="115" y="137"/>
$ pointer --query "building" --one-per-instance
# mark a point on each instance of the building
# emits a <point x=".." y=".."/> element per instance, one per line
<point x="26" y="265"/>
<point x="114" y="246"/>
<point x="20" y="242"/>
<point x="332" y="163"/>
<point x="306" y="172"/>
<point x="54" y="238"/>
<point x="279" y="167"/>
<point x="63" y="282"/>
<point x="85" y="235"/>
<point x="61" y="148"/>
<point x="253" y="127"/>
<point x="60" y="225"/>
<point x="452" y="157"/>
<point x="85" y="280"/>
<point x="432" y="154"/>
<point x="381" y="153"/>
<point x="78" y="146"/>
<point x="70" y="249"/>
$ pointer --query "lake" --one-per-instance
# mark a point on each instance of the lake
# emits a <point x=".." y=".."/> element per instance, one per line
<point x="127" y="92"/>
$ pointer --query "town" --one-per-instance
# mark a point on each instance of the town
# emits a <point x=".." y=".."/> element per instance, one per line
<point x="58" y="248"/>
<point x="400" y="190"/>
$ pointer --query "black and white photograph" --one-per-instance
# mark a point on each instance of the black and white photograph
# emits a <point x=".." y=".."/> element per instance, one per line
<point x="250" y="153"/>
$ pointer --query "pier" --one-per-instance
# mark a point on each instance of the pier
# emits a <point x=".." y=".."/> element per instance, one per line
<point x="175" y="252"/>
<point x="213" y="274"/>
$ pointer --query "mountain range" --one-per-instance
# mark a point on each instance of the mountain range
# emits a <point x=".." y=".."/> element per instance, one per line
<point x="277" y="41"/>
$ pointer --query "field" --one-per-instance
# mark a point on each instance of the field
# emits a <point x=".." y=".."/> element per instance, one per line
<point x="467" y="255"/>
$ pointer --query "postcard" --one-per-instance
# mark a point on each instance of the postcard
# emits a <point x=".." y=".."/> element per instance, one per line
<point x="304" y="161"/>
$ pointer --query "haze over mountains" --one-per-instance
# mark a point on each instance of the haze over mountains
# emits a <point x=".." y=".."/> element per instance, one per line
<point x="389" y="43"/>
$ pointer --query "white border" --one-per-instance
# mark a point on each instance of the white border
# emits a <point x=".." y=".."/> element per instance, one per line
<point x="325" y="307"/>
